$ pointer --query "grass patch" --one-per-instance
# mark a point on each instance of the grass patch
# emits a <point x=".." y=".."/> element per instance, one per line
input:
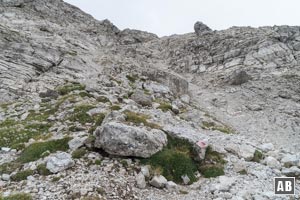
<point x="66" y="89"/>
<point x="42" y="170"/>
<point x="258" y="156"/>
<point x="80" y="114"/>
<point x="85" y="94"/>
<point x="55" y="179"/>
<point x="22" y="175"/>
<point x="115" y="107"/>
<point x="213" y="164"/>
<point x="8" y="168"/>
<point x="78" y="153"/>
<point x="98" y="119"/>
<point x="20" y="196"/>
<point x="103" y="99"/>
<point x="98" y="162"/>
<point x="164" y="106"/>
<point x="213" y="126"/>
<point x="137" y="119"/>
<point x="175" y="160"/>
<point x="36" y="150"/>
<point x="132" y="78"/>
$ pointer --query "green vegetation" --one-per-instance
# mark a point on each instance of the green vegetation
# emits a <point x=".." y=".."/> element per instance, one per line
<point x="257" y="156"/>
<point x="22" y="175"/>
<point x="78" y="153"/>
<point x="164" y="106"/>
<point x="36" y="150"/>
<point x="132" y="78"/>
<point x="66" y="89"/>
<point x="243" y="172"/>
<point x="85" y="94"/>
<point x="213" y="164"/>
<point x="80" y="114"/>
<point x="214" y="126"/>
<point x="137" y="119"/>
<point x="103" y="99"/>
<point x="42" y="170"/>
<point x="175" y="160"/>
<point x="15" y="133"/>
<point x="55" y="179"/>
<point x="20" y="196"/>
<point x="98" y="162"/>
<point x="115" y="107"/>
<point x="98" y="119"/>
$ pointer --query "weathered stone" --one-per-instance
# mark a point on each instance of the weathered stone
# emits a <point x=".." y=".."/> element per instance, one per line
<point x="158" y="181"/>
<point x="141" y="98"/>
<point x="290" y="160"/>
<point x="123" y="140"/>
<point x="140" y="180"/>
<point x="291" y="172"/>
<point x="185" y="179"/>
<point x="200" y="27"/>
<point x="59" y="162"/>
<point x="170" y="185"/>
<point x="272" y="162"/>
<point x="77" y="142"/>
<point x="145" y="171"/>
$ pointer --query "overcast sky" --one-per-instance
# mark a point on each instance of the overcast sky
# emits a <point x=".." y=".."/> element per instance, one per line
<point x="167" y="17"/>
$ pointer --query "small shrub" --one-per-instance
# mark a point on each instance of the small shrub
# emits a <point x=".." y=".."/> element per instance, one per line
<point x="212" y="171"/>
<point x="98" y="119"/>
<point x="257" y="156"/>
<point x="132" y="78"/>
<point x="35" y="151"/>
<point x="213" y="126"/>
<point x="243" y="172"/>
<point x="66" y="89"/>
<point x="164" y="106"/>
<point x="22" y="175"/>
<point x="85" y="94"/>
<point x="20" y="196"/>
<point x="55" y="179"/>
<point x="42" y="170"/>
<point x="137" y="119"/>
<point x="78" y="153"/>
<point x="18" y="147"/>
<point x="98" y="162"/>
<point x="10" y="167"/>
<point x="115" y="107"/>
<point x="103" y="99"/>
<point x="175" y="160"/>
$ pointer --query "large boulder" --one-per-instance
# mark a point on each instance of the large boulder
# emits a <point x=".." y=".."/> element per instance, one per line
<point x="59" y="162"/>
<point x="123" y="140"/>
<point x="200" y="27"/>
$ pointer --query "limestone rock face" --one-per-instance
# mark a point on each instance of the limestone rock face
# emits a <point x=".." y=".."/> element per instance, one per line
<point x="123" y="140"/>
<point x="200" y="27"/>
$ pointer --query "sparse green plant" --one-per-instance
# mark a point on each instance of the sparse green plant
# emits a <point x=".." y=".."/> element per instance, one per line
<point x="115" y="107"/>
<point x="85" y="94"/>
<point x="98" y="162"/>
<point x="132" y="78"/>
<point x="22" y="175"/>
<point x="80" y="114"/>
<point x="214" y="126"/>
<point x="66" y="89"/>
<point x="103" y="99"/>
<point x="19" y="196"/>
<point x="137" y="119"/>
<point x="79" y="153"/>
<point x="55" y="179"/>
<point x="175" y="160"/>
<point x="258" y="155"/>
<point x="42" y="170"/>
<point x="35" y="151"/>
<point x="164" y="106"/>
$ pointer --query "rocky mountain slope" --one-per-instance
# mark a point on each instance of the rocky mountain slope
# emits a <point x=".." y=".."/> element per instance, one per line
<point x="89" y="111"/>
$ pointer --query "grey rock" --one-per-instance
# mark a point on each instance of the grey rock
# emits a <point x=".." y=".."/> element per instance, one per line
<point x="200" y="27"/>
<point x="145" y="170"/>
<point x="246" y="152"/>
<point x="158" y="181"/>
<point x="170" y="185"/>
<point x="77" y="142"/>
<point x="185" y="179"/>
<point x="266" y="147"/>
<point x="238" y="78"/>
<point x="291" y="172"/>
<point x="140" y="180"/>
<point x="290" y="160"/>
<point x="272" y="162"/>
<point x="5" y="177"/>
<point x="141" y="98"/>
<point x="59" y="162"/>
<point x="123" y="140"/>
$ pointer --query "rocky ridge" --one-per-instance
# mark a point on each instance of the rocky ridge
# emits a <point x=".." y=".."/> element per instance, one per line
<point x="71" y="84"/>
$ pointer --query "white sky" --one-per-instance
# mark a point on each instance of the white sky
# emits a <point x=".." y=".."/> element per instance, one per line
<point x="166" y="17"/>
